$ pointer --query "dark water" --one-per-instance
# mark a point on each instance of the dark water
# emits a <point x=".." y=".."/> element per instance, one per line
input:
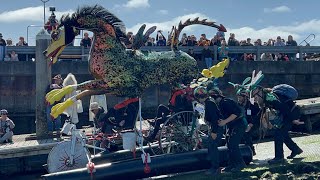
<point x="27" y="176"/>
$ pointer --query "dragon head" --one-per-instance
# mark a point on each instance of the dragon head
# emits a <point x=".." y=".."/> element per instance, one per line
<point x="93" y="18"/>
<point x="60" y="38"/>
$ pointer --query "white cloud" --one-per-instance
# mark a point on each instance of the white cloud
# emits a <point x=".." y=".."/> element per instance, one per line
<point x="33" y="14"/>
<point x="279" y="9"/>
<point x="166" y="26"/>
<point x="299" y="32"/>
<point x="137" y="4"/>
<point x="163" y="11"/>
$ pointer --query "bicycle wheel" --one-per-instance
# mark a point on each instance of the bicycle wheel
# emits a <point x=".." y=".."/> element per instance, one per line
<point x="59" y="157"/>
<point x="182" y="132"/>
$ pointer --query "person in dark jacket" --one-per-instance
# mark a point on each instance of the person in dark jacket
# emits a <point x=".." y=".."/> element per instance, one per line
<point x="287" y="113"/>
<point x="252" y="115"/>
<point x="206" y="55"/>
<point x="212" y="116"/>
<point x="121" y="116"/>
<point x="236" y="124"/>
<point x="176" y="104"/>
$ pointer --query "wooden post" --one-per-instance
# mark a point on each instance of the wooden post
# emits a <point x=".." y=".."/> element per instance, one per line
<point x="43" y="79"/>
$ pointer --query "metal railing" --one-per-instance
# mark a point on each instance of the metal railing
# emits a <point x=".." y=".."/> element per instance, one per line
<point x="81" y="52"/>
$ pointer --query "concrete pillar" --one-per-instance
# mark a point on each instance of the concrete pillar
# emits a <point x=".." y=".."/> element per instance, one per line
<point x="43" y="79"/>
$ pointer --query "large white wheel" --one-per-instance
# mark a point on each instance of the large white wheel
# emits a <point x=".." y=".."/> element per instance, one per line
<point x="182" y="132"/>
<point x="59" y="157"/>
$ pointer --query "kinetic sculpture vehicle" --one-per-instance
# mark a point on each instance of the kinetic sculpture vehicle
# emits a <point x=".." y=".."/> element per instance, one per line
<point x="128" y="73"/>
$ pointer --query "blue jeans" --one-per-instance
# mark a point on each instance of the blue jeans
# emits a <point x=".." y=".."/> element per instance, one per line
<point x="208" y="62"/>
<point x="53" y="125"/>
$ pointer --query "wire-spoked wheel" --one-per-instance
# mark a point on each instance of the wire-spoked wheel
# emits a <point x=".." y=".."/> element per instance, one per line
<point x="182" y="132"/>
<point x="59" y="157"/>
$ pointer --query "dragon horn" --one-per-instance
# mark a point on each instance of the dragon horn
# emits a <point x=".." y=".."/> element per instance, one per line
<point x="189" y="22"/>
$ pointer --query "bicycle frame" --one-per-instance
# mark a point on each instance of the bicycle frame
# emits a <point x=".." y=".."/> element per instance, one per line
<point x="76" y="135"/>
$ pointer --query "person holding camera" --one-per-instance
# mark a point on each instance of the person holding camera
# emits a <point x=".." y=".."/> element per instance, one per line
<point x="6" y="126"/>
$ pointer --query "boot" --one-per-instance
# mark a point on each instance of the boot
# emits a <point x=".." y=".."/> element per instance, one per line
<point x="295" y="153"/>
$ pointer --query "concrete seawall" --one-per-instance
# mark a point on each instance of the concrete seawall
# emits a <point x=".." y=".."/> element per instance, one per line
<point x="18" y="83"/>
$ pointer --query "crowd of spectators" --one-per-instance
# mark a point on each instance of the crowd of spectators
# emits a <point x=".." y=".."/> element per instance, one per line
<point x="11" y="56"/>
<point x="223" y="46"/>
<point x="186" y="40"/>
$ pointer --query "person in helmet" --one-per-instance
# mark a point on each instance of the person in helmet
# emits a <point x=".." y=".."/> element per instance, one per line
<point x="212" y="116"/>
<point x="236" y="123"/>
<point x="252" y="115"/>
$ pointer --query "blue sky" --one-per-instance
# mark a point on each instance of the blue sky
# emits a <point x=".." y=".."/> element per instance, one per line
<point x="246" y="18"/>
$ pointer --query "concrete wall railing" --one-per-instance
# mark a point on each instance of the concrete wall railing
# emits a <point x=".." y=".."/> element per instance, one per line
<point x="81" y="52"/>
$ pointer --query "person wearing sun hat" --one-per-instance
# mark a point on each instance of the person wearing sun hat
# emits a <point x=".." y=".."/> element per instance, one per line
<point x="234" y="119"/>
<point x="212" y="116"/>
<point x="6" y="126"/>
<point x="252" y="115"/>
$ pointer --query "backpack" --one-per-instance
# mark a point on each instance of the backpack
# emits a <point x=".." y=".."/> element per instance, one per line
<point x="286" y="90"/>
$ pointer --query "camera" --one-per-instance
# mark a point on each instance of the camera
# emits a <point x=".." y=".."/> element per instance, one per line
<point x="52" y="8"/>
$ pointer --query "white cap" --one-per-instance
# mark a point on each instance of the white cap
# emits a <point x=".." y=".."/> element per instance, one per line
<point x="94" y="105"/>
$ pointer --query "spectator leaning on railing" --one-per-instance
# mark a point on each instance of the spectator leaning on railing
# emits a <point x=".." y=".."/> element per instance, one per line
<point x="207" y="55"/>
<point x="279" y="42"/>
<point x="232" y="41"/>
<point x="22" y="57"/>
<point x="223" y="51"/>
<point x="291" y="42"/>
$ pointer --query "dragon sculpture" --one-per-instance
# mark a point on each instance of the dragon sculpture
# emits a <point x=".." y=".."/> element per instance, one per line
<point x="116" y="70"/>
